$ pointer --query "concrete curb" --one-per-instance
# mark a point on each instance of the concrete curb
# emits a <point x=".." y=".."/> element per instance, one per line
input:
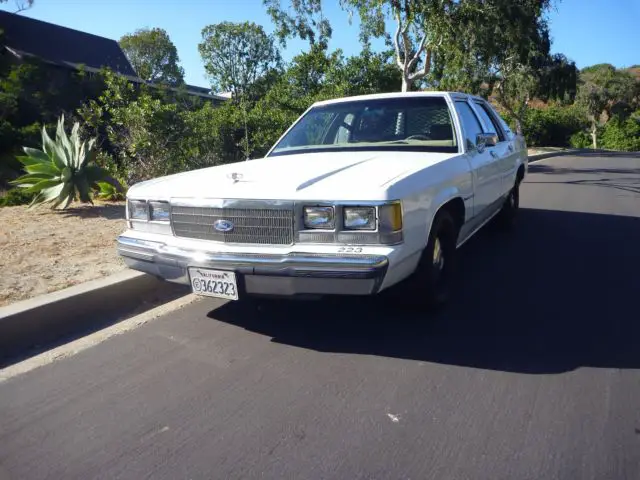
<point x="49" y="318"/>
<point x="542" y="156"/>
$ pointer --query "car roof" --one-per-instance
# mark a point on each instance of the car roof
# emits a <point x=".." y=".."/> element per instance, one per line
<point x="378" y="96"/>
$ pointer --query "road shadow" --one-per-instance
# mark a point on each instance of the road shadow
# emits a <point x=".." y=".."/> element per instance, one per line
<point x="558" y="293"/>
<point x="606" y="153"/>
<point x="624" y="179"/>
<point x="555" y="170"/>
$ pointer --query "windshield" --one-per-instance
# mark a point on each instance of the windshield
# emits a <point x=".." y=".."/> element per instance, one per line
<point x="409" y="123"/>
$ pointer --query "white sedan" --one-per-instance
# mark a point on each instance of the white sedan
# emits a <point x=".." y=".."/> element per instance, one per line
<point x="358" y="195"/>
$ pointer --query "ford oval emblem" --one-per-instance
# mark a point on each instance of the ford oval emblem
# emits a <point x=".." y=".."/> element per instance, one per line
<point x="223" y="225"/>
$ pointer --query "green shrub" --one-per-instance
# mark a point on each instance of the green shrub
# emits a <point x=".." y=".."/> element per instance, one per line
<point x="109" y="192"/>
<point x="622" y="135"/>
<point x="581" y="139"/>
<point x="16" y="196"/>
<point x="553" y="126"/>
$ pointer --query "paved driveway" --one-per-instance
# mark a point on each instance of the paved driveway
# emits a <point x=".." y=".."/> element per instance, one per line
<point x="532" y="374"/>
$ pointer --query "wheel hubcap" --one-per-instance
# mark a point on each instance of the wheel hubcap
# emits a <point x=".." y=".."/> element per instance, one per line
<point x="438" y="255"/>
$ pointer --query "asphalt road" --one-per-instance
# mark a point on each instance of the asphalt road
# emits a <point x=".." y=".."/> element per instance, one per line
<point x="533" y="373"/>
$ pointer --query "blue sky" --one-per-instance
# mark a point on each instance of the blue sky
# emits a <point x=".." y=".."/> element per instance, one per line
<point x="587" y="31"/>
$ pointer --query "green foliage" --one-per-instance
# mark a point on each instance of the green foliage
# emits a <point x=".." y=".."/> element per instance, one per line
<point x="305" y="21"/>
<point x="580" y="139"/>
<point x="63" y="170"/>
<point x="622" y="134"/>
<point x="15" y="197"/>
<point x="109" y="192"/>
<point x="607" y="92"/>
<point x="153" y="56"/>
<point x="237" y="55"/>
<point x="553" y="126"/>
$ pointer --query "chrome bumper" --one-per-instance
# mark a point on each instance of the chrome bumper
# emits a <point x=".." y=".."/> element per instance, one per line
<point x="289" y="274"/>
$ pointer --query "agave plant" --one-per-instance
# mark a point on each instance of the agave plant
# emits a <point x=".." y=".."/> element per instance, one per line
<point x="64" y="170"/>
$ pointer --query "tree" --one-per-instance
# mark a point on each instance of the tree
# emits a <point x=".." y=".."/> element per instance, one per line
<point x="306" y="21"/>
<point x="607" y="91"/>
<point x="421" y="27"/>
<point x="501" y="37"/>
<point x="237" y="55"/>
<point x="21" y="5"/>
<point x="153" y="56"/>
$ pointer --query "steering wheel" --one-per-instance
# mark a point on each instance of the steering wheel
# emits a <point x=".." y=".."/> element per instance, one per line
<point x="418" y="136"/>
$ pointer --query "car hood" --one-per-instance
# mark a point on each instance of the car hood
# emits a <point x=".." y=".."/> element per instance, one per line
<point x="310" y="176"/>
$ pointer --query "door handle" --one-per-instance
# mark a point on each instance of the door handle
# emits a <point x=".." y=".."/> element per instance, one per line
<point x="493" y="153"/>
<point x="510" y="147"/>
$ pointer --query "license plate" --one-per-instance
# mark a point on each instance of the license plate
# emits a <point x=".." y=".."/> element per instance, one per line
<point x="214" y="283"/>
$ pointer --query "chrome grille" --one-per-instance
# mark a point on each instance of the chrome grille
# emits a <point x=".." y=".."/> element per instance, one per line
<point x="265" y="226"/>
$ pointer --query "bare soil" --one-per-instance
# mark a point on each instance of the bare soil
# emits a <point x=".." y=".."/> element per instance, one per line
<point x="43" y="250"/>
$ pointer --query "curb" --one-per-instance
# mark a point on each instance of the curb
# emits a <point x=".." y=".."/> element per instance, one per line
<point x="50" y="318"/>
<point x="542" y="156"/>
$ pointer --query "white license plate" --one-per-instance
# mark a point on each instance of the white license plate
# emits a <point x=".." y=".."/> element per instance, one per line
<point x="214" y="283"/>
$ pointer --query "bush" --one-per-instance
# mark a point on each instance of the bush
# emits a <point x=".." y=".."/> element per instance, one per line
<point x="581" y="139"/>
<point x="553" y="126"/>
<point x="622" y="135"/>
<point x="16" y="196"/>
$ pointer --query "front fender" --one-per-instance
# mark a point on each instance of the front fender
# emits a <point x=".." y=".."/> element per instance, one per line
<point x="441" y="198"/>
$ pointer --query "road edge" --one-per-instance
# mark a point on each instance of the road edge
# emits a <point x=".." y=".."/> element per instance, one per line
<point x="41" y="320"/>
<point x="91" y="340"/>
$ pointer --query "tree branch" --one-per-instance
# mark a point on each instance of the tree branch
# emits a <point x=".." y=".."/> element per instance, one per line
<point x="426" y="68"/>
<point x="396" y="41"/>
<point x="416" y="57"/>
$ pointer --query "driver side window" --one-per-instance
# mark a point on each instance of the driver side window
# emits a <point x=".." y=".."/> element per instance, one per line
<point x="489" y="121"/>
<point x="470" y="124"/>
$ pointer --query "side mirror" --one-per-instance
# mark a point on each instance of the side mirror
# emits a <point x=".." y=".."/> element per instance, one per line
<point x="484" y="140"/>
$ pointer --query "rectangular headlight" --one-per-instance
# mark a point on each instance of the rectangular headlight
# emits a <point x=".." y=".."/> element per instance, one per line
<point x="319" y="218"/>
<point x="138" y="210"/>
<point x="359" y="218"/>
<point x="159" y="211"/>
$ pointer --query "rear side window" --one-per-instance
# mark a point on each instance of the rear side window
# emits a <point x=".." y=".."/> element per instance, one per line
<point x="489" y="120"/>
<point x="470" y="123"/>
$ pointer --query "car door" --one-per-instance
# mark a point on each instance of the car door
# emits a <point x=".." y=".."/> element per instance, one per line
<point x="486" y="175"/>
<point x="504" y="151"/>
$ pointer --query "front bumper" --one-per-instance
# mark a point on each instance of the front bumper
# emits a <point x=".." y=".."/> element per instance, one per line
<point x="262" y="274"/>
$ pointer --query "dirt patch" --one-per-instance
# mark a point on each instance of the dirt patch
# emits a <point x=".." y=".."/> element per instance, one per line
<point x="42" y="250"/>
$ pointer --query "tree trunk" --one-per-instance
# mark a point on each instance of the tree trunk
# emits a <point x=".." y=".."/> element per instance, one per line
<point x="519" y="126"/>
<point x="594" y="134"/>
<point x="406" y="83"/>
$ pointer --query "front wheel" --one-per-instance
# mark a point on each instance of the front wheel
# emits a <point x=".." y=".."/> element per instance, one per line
<point x="432" y="283"/>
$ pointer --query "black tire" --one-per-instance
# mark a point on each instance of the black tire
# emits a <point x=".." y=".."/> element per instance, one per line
<point x="432" y="283"/>
<point x="506" y="218"/>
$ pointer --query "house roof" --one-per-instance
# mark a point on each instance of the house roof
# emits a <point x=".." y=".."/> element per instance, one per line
<point x="61" y="45"/>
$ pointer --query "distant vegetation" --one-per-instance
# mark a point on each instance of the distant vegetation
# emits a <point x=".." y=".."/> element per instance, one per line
<point x="144" y="131"/>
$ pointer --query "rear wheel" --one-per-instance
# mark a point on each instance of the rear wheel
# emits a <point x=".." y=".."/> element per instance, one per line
<point x="509" y="212"/>
<point x="432" y="283"/>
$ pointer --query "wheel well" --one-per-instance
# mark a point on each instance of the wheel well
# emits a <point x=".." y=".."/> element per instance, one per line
<point x="520" y="174"/>
<point x="455" y="208"/>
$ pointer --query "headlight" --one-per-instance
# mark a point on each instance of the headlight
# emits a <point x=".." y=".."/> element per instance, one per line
<point x="319" y="218"/>
<point x="360" y="218"/>
<point x="138" y="210"/>
<point x="159" y="211"/>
